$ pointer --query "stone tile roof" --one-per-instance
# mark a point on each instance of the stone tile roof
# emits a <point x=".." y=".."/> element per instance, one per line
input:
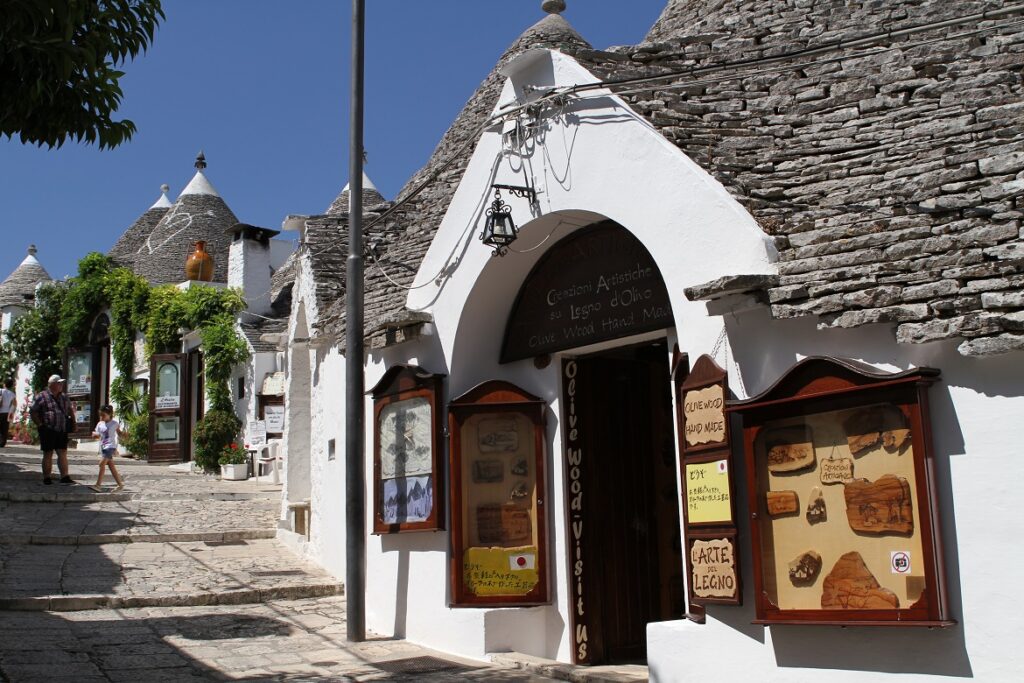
<point x="254" y="331"/>
<point x="891" y="179"/>
<point x="198" y="214"/>
<point x="281" y="284"/>
<point x="124" y="250"/>
<point x="403" y="239"/>
<point x="19" y="288"/>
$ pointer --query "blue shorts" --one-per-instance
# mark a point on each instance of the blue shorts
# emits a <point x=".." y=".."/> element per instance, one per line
<point x="108" y="453"/>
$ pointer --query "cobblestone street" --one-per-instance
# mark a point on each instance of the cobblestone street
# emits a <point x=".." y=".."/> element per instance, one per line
<point x="178" y="577"/>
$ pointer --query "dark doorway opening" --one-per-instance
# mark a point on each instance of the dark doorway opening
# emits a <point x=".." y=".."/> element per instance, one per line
<point x="634" y="556"/>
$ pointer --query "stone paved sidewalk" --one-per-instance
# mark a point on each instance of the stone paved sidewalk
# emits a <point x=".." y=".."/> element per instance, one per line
<point x="177" y="578"/>
<point x="300" y="640"/>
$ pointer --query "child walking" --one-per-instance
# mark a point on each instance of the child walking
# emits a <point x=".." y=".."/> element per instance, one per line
<point x="108" y="429"/>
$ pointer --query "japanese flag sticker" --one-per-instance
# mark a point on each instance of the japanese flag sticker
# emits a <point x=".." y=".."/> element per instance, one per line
<point x="522" y="561"/>
<point x="723" y="466"/>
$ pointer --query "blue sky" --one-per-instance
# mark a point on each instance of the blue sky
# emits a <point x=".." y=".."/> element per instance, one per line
<point x="262" y="88"/>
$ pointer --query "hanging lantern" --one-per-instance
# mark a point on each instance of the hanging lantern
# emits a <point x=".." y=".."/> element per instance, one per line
<point x="499" y="229"/>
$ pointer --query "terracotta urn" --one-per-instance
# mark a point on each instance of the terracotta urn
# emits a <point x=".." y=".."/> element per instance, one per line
<point x="199" y="264"/>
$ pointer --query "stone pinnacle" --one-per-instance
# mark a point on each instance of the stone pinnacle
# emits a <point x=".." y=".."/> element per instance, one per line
<point x="553" y="6"/>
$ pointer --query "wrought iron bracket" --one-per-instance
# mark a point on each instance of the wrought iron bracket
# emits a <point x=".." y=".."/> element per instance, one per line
<point x="520" y="191"/>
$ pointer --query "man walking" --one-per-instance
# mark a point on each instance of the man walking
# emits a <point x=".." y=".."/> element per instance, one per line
<point x="53" y="414"/>
<point x="8" y="402"/>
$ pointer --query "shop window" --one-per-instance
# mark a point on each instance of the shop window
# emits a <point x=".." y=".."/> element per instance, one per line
<point x="499" y="553"/>
<point x="844" y="515"/>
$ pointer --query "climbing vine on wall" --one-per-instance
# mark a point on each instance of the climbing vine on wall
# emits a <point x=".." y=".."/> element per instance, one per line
<point x="66" y="311"/>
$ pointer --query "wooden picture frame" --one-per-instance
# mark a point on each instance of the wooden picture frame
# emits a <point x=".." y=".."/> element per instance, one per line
<point x="854" y="578"/>
<point x="507" y="565"/>
<point x="407" y="423"/>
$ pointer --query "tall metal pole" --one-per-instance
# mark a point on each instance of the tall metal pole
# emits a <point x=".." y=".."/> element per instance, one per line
<point x="355" y="470"/>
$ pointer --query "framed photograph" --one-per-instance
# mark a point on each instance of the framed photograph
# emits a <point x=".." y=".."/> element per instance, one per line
<point x="406" y="457"/>
<point x="499" y="548"/>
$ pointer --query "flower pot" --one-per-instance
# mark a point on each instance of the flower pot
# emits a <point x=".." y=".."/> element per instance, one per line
<point x="234" y="472"/>
<point x="199" y="264"/>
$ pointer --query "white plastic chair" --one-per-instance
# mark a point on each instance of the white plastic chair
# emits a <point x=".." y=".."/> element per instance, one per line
<point x="269" y="455"/>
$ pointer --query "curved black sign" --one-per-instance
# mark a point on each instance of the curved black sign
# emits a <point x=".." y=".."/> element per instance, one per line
<point x="599" y="283"/>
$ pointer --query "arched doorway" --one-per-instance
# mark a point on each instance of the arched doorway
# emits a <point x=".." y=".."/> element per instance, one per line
<point x="593" y="315"/>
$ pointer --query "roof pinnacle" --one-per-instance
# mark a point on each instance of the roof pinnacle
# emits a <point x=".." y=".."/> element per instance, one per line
<point x="32" y="250"/>
<point x="200" y="160"/>
<point x="553" y="6"/>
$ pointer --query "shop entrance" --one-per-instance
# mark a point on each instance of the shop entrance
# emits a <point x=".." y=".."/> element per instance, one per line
<point x="631" y="571"/>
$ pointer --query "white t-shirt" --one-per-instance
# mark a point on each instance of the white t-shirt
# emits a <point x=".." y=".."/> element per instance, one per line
<point x="108" y="433"/>
<point x="6" y="400"/>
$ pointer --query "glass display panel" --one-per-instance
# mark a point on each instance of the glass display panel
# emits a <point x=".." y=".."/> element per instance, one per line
<point x="168" y="385"/>
<point x="500" y="537"/>
<point x="79" y="373"/>
<point x="167" y="430"/>
<point x="406" y="461"/>
<point x="840" y="522"/>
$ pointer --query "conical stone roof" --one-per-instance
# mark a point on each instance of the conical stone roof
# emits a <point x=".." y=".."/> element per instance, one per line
<point x="123" y="251"/>
<point x="199" y="214"/>
<point x="19" y="289"/>
<point x="406" y="239"/>
<point x="372" y="198"/>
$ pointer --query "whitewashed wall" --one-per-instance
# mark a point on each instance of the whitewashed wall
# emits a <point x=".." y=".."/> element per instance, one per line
<point x="976" y="410"/>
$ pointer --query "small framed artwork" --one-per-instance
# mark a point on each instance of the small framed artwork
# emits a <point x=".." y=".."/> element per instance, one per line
<point x="406" y="458"/>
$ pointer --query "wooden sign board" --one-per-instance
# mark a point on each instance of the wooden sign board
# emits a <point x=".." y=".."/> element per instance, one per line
<point x="705" y="425"/>
<point x="599" y="283"/>
<point x="708" y="496"/>
<point x="714" y="569"/>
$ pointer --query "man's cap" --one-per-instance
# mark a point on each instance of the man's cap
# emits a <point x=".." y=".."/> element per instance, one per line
<point x="55" y="379"/>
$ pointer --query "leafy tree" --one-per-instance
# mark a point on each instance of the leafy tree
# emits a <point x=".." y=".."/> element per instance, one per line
<point x="58" y="67"/>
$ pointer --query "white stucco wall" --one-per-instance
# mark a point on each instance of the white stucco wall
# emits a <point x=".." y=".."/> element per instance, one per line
<point x="598" y="160"/>
<point x="975" y="409"/>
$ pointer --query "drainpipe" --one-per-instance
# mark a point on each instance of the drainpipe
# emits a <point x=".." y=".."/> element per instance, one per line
<point x="355" y="470"/>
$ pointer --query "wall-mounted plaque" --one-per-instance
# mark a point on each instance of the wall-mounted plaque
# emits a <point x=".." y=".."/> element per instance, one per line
<point x="704" y="413"/>
<point x="831" y="560"/>
<point x="407" y="414"/>
<point x="713" y="571"/>
<point x="599" y="283"/>
<point x="499" y="550"/>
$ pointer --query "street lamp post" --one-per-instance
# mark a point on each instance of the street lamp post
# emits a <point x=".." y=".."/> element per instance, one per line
<point x="355" y="469"/>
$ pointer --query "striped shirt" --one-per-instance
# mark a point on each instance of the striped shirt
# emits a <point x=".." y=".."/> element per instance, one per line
<point x="51" y="411"/>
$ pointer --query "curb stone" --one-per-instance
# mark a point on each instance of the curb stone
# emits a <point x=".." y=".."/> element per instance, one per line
<point x="75" y="603"/>
<point x="104" y="539"/>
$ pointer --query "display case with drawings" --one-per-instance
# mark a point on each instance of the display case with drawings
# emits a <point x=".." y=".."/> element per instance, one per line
<point x="844" y="511"/>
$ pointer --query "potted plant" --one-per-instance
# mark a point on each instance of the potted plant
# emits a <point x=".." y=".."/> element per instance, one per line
<point x="233" y="463"/>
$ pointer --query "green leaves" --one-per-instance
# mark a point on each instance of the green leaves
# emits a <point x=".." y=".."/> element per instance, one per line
<point x="58" y="75"/>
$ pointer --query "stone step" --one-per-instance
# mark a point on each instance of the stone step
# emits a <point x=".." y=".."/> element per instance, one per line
<point x="71" y="577"/>
<point x="100" y="539"/>
<point x="65" y="496"/>
<point x="616" y="673"/>
<point x="75" y="603"/>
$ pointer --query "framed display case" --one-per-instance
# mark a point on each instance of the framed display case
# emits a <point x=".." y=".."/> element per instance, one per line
<point x="844" y="512"/>
<point x="406" y="451"/>
<point x="498" y="537"/>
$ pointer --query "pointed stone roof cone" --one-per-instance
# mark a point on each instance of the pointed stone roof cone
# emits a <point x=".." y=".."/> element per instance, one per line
<point x="123" y="251"/>
<point x="19" y="289"/>
<point x="422" y="215"/>
<point x="372" y="198"/>
<point x="198" y="214"/>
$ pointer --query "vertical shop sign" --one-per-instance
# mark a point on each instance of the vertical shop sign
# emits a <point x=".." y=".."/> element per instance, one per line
<point x="709" y="509"/>
<point x="574" y="463"/>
